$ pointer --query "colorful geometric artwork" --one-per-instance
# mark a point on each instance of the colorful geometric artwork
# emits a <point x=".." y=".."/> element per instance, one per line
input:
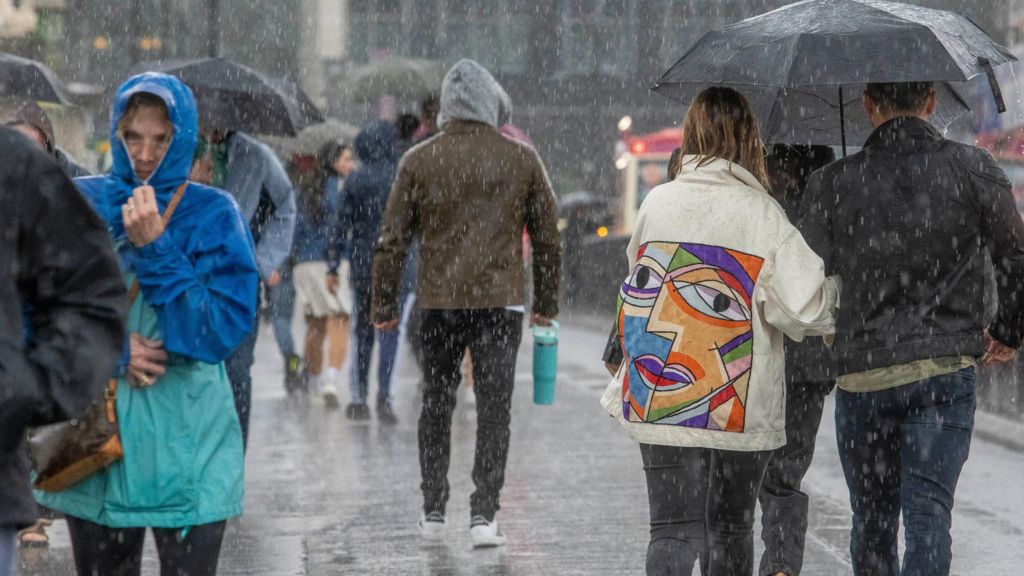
<point x="685" y="327"/>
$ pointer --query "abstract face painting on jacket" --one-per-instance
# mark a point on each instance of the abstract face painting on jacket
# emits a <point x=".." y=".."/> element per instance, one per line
<point x="685" y="326"/>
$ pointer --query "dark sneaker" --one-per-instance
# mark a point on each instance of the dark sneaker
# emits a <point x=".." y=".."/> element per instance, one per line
<point x="357" y="412"/>
<point x="386" y="414"/>
<point x="293" y="377"/>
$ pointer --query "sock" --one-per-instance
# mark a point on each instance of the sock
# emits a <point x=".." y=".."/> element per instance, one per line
<point x="315" y="381"/>
<point x="332" y="375"/>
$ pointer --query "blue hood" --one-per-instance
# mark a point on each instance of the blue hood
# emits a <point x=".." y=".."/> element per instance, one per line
<point x="376" y="143"/>
<point x="181" y="108"/>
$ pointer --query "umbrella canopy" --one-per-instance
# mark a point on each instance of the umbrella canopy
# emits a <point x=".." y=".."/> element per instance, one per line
<point x="236" y="97"/>
<point x="793" y="63"/>
<point x="403" y="78"/>
<point x="312" y="138"/>
<point x="26" y="79"/>
<point x="833" y="42"/>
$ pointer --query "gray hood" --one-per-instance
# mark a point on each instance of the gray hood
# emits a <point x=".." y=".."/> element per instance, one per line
<point x="469" y="92"/>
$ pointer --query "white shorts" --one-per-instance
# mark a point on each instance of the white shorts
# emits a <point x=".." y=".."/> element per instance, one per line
<point x="311" y="291"/>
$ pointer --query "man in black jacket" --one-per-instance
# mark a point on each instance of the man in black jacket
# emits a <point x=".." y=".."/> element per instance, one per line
<point x="56" y="262"/>
<point x="906" y="222"/>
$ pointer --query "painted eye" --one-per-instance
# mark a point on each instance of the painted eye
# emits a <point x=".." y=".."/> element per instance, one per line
<point x="644" y="278"/>
<point x="712" y="302"/>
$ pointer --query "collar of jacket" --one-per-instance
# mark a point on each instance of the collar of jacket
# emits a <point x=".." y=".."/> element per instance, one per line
<point x="467" y="127"/>
<point x="717" y="172"/>
<point x="902" y="128"/>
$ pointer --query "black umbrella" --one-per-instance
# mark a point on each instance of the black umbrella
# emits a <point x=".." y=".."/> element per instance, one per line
<point x="816" y="47"/>
<point x="29" y="80"/>
<point x="233" y="96"/>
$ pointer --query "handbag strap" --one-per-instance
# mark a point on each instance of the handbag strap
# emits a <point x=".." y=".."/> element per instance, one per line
<point x="171" y="207"/>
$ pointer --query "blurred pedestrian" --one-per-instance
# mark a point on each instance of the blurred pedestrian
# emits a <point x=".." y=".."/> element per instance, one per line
<point x="717" y="275"/>
<point x="407" y="125"/>
<point x="32" y="121"/>
<point x="326" y="306"/>
<point x="467" y="195"/>
<point x="906" y="222"/>
<point x="362" y="206"/>
<point x="252" y="174"/>
<point x="59" y="266"/>
<point x="182" y="471"/>
<point x="810" y="377"/>
<point x="430" y="106"/>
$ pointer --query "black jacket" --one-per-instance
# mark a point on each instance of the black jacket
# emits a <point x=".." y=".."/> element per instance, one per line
<point x="905" y="222"/>
<point x="62" y="302"/>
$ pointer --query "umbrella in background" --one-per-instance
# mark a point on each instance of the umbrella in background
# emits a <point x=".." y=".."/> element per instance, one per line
<point x="402" y="78"/>
<point x="311" y="139"/>
<point x="26" y="79"/>
<point x="813" y="50"/>
<point x="235" y="97"/>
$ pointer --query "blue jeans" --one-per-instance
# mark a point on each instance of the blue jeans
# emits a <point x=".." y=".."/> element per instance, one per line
<point x="8" y="552"/>
<point x="282" y="304"/>
<point x="902" y="449"/>
<point x="365" y="334"/>
<point x="239" y="368"/>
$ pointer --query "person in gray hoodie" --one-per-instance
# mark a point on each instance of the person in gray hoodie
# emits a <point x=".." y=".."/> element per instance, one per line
<point x="466" y="195"/>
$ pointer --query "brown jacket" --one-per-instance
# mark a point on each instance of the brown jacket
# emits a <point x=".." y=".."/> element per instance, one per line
<point x="466" y="195"/>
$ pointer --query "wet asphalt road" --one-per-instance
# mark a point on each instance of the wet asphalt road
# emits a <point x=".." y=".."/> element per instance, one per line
<point x="328" y="496"/>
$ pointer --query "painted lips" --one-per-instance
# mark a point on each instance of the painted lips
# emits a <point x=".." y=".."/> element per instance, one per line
<point x="659" y="376"/>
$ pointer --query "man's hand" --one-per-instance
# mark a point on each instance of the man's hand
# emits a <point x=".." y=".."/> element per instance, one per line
<point x="148" y="361"/>
<point x="995" y="351"/>
<point x="333" y="284"/>
<point x="202" y="171"/>
<point x="538" y="320"/>
<point x="142" y="221"/>
<point x="387" y="326"/>
<point x="274" y="280"/>
<point x="612" y="368"/>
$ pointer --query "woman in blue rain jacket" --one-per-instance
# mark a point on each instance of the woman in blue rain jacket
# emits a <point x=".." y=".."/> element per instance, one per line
<point x="182" y="471"/>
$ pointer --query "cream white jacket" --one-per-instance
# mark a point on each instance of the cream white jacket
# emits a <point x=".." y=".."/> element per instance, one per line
<point x="717" y="275"/>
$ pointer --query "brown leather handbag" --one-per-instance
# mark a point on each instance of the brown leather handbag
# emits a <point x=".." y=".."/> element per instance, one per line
<point x="65" y="453"/>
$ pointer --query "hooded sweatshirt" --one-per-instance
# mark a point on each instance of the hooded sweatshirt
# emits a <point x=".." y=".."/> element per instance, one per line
<point x="466" y="195"/>
<point x="717" y="274"/>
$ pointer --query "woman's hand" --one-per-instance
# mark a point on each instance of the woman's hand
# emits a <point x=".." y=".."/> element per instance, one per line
<point x="142" y="220"/>
<point x="148" y="361"/>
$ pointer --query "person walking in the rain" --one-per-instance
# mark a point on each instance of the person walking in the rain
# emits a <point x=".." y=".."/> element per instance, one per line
<point x="57" y="260"/>
<point x="32" y="121"/>
<point x="190" y="253"/>
<point x="717" y="275"/>
<point x="359" y="216"/>
<point x="905" y="222"/>
<point x="249" y="170"/>
<point x="466" y="195"/>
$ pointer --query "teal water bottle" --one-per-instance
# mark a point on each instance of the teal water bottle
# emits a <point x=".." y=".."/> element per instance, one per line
<point x="545" y="363"/>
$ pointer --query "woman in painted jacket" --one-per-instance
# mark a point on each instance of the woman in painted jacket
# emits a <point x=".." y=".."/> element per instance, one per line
<point x="182" y="471"/>
<point x="717" y="276"/>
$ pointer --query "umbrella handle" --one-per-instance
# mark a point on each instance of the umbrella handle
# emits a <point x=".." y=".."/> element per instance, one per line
<point x="993" y="84"/>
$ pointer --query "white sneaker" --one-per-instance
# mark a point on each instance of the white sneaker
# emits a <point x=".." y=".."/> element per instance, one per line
<point x="331" y="396"/>
<point x="485" y="534"/>
<point x="432" y="526"/>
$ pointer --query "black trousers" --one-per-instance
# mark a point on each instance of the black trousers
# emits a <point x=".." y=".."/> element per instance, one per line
<point x="702" y="505"/>
<point x="783" y="505"/>
<point x="492" y="336"/>
<point x="104" y="551"/>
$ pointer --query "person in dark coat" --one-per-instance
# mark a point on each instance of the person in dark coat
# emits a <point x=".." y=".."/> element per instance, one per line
<point x="362" y="208"/>
<point x="58" y="262"/>
<point x="32" y="121"/>
<point x="906" y="222"/>
<point x="810" y="377"/>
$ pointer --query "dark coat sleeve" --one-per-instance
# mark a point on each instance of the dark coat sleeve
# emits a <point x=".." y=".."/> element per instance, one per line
<point x="813" y="222"/>
<point x="1003" y="234"/>
<point x="396" y="233"/>
<point x="545" y="241"/>
<point x="68" y="276"/>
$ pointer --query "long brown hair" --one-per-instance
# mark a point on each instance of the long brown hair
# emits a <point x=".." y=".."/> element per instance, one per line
<point x="720" y="124"/>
